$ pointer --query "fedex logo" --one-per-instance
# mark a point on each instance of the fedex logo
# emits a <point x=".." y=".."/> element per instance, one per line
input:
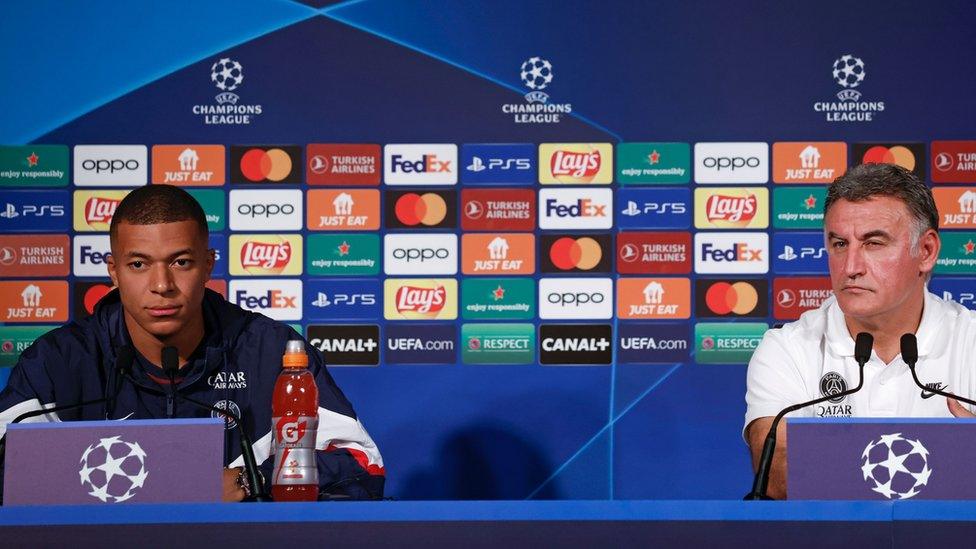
<point x="90" y="255"/>
<point x="731" y="253"/>
<point x="420" y="164"/>
<point x="277" y="299"/>
<point x="575" y="209"/>
<point x="428" y="163"/>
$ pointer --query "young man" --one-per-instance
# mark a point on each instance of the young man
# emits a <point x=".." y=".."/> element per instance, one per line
<point x="228" y="357"/>
<point x="880" y="228"/>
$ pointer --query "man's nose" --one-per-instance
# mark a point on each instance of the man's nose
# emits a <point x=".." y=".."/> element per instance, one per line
<point x="854" y="262"/>
<point x="162" y="278"/>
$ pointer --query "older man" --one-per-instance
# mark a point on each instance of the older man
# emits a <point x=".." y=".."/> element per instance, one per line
<point x="881" y="233"/>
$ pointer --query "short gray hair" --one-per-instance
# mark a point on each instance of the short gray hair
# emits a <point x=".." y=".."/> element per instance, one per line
<point x="866" y="181"/>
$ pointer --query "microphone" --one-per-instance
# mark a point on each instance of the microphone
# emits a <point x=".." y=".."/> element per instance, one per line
<point x="123" y="363"/>
<point x="862" y="353"/>
<point x="171" y="364"/>
<point x="909" y="353"/>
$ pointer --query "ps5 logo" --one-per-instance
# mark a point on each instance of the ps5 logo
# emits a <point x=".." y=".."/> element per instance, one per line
<point x="634" y="209"/>
<point x="339" y="299"/>
<point x="806" y="252"/>
<point x="501" y="164"/>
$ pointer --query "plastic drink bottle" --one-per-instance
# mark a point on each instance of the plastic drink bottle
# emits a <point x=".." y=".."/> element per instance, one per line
<point x="295" y="420"/>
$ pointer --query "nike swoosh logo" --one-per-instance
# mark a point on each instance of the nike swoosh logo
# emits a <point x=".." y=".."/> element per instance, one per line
<point x="126" y="417"/>
<point x="937" y="386"/>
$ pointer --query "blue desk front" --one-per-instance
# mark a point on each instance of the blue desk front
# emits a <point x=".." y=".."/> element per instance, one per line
<point x="472" y="524"/>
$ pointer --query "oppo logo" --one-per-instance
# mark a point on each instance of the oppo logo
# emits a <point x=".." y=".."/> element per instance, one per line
<point x="265" y="210"/>
<point x="110" y="166"/>
<point x="421" y="254"/>
<point x="731" y="163"/>
<point x="574" y="298"/>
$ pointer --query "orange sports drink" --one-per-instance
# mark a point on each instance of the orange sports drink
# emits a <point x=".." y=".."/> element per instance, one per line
<point x="294" y="408"/>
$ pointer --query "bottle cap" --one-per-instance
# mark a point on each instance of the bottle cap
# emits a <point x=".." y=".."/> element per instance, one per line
<point x="295" y="356"/>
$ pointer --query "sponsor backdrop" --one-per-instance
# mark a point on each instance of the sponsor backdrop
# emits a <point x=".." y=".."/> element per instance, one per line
<point x="537" y="244"/>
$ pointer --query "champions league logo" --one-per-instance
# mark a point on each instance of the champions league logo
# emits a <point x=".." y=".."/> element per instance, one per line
<point x="849" y="72"/>
<point x="896" y="467"/>
<point x="113" y="469"/>
<point x="227" y="75"/>
<point x="536" y="74"/>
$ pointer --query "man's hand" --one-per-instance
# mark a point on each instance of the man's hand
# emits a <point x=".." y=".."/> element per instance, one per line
<point x="232" y="490"/>
<point x="756" y="435"/>
<point x="957" y="409"/>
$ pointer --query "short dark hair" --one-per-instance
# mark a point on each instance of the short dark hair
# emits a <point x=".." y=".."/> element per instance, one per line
<point x="865" y="181"/>
<point x="153" y="204"/>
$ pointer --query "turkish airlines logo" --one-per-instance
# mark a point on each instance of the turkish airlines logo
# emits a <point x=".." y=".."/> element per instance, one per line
<point x="343" y="164"/>
<point x="654" y="252"/>
<point x="954" y="161"/>
<point x="498" y="209"/>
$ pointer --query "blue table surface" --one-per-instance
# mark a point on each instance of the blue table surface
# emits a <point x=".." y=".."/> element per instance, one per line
<point x="419" y="511"/>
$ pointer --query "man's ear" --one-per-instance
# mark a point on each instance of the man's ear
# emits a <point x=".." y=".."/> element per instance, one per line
<point x="112" y="272"/>
<point x="928" y="251"/>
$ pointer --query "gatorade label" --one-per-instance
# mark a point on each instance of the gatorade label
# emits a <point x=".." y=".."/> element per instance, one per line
<point x="294" y="450"/>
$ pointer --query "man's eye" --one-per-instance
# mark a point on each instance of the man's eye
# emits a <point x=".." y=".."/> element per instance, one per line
<point x="183" y="262"/>
<point x="838" y="244"/>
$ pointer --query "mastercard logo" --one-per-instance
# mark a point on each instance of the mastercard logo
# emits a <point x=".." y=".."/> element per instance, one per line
<point x="575" y="253"/>
<point x="738" y="298"/>
<point x="413" y="209"/>
<point x="94" y="294"/>
<point x="898" y="154"/>
<point x="266" y="165"/>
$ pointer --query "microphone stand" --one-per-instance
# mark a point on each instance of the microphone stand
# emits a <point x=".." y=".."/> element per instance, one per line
<point x="761" y="480"/>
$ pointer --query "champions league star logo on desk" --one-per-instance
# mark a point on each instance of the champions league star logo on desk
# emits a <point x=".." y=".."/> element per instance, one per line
<point x="113" y="469"/>
<point x="896" y="466"/>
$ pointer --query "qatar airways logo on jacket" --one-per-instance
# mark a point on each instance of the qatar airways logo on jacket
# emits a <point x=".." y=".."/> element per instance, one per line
<point x="277" y="299"/>
<point x="228" y="380"/>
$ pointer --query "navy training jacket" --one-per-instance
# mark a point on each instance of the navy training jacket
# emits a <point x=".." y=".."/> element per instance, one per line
<point x="236" y="366"/>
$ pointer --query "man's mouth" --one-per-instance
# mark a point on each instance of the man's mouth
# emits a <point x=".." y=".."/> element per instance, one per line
<point x="855" y="289"/>
<point x="163" y="310"/>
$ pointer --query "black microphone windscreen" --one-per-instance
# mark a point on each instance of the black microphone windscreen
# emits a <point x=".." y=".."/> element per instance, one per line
<point x="862" y="347"/>
<point x="170" y="359"/>
<point x="909" y="349"/>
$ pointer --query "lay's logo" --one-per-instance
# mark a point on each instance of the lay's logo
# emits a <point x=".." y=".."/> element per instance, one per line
<point x="98" y="210"/>
<point x="417" y="299"/>
<point x="262" y="255"/>
<point x="94" y="209"/>
<point x="575" y="164"/>
<point x="731" y="208"/>
<point x="724" y="208"/>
